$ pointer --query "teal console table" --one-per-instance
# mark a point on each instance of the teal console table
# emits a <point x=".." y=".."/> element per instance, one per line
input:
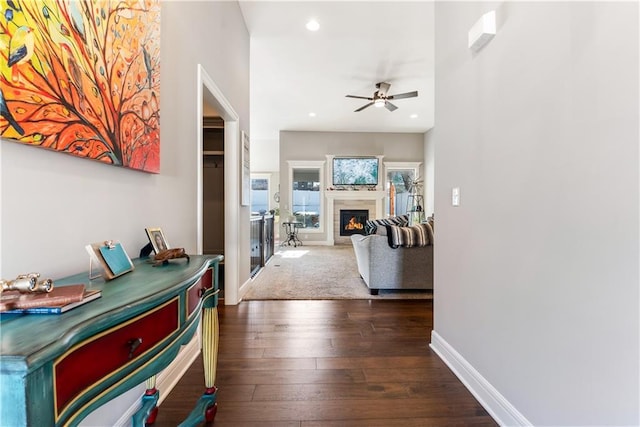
<point x="56" y="369"/>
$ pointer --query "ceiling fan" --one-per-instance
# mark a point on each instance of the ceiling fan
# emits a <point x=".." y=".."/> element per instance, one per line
<point x="381" y="99"/>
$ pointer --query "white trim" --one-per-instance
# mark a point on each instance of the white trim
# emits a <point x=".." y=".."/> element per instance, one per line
<point x="402" y="166"/>
<point x="169" y="377"/>
<point x="502" y="411"/>
<point x="165" y="380"/>
<point x="354" y="195"/>
<point x="309" y="164"/>
<point x="244" y="288"/>
<point x="125" y="418"/>
<point x="318" y="243"/>
<point x="232" y="212"/>
<point x="215" y="97"/>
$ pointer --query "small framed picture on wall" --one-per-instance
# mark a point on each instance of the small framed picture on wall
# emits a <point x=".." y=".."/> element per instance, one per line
<point x="157" y="239"/>
<point x="245" y="197"/>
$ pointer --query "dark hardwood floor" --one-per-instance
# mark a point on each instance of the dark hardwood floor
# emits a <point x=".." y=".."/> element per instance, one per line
<point x="328" y="363"/>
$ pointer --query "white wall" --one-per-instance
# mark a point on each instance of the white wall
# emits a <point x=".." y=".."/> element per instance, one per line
<point x="536" y="273"/>
<point x="264" y="155"/>
<point x="52" y="204"/>
<point x="429" y="173"/>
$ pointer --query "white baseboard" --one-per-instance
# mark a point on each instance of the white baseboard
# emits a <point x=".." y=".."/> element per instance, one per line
<point x="244" y="288"/>
<point x="305" y="243"/>
<point x="502" y="411"/>
<point x="316" y="243"/>
<point x="168" y="378"/>
<point x="127" y="415"/>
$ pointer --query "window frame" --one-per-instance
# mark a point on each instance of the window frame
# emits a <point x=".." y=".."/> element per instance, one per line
<point x="309" y="164"/>
<point x="397" y="166"/>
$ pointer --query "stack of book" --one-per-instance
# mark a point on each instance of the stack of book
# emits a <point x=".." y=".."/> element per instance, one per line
<point x="59" y="300"/>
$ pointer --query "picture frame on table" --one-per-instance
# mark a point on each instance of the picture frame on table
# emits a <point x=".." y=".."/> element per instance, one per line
<point x="157" y="239"/>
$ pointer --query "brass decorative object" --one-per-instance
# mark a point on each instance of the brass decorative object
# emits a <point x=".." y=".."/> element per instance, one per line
<point x="27" y="283"/>
<point x="163" y="257"/>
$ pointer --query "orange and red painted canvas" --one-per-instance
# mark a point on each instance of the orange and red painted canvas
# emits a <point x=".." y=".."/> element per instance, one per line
<point x="83" y="77"/>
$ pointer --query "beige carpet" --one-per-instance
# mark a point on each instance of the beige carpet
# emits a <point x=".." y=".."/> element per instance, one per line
<point x="317" y="272"/>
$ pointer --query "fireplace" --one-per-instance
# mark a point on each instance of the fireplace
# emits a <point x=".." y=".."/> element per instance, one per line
<point x="352" y="221"/>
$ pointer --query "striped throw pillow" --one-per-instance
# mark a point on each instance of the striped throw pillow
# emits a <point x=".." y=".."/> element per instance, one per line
<point x="408" y="237"/>
<point x="372" y="224"/>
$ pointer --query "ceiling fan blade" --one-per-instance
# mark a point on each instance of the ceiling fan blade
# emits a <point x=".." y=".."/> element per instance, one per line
<point x="363" y="107"/>
<point x="389" y="106"/>
<point x="359" y="97"/>
<point x="404" y="95"/>
<point x="383" y="88"/>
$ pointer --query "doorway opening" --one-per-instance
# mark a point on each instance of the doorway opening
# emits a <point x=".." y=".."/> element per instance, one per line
<point x="210" y="96"/>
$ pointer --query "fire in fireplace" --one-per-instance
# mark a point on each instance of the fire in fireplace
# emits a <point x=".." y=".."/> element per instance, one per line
<point x="352" y="221"/>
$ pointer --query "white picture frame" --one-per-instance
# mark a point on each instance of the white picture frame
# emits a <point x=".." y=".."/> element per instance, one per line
<point x="245" y="189"/>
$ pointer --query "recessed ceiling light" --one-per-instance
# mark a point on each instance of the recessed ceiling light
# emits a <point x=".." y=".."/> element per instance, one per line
<point x="313" y="25"/>
<point x="414" y="116"/>
<point x="312" y="114"/>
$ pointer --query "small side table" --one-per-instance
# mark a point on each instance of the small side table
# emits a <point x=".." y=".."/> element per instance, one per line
<point x="291" y="228"/>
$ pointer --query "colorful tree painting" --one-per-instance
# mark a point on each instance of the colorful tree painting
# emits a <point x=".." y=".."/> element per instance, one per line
<point x="83" y="77"/>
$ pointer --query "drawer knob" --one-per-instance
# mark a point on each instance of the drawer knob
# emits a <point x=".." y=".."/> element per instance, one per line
<point x="133" y="346"/>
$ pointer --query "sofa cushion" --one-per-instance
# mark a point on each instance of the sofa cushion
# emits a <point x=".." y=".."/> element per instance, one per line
<point x="372" y="224"/>
<point x="407" y="237"/>
<point x="381" y="231"/>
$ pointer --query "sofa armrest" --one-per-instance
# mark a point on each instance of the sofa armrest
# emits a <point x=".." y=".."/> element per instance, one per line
<point x="362" y="247"/>
<point x="385" y="263"/>
<point x="401" y="268"/>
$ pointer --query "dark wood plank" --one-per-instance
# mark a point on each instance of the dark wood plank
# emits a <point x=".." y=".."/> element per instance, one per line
<point x="333" y="410"/>
<point x="266" y="364"/>
<point x="477" y="421"/>
<point x="336" y="363"/>
<point x="374" y="362"/>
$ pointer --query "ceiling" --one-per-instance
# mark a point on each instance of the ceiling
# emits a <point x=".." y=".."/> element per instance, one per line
<point x="295" y="72"/>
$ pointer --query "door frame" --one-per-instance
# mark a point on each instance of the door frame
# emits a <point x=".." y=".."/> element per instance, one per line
<point x="208" y="91"/>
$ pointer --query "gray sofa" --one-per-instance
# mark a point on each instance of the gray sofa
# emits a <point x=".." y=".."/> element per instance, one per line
<point x="382" y="267"/>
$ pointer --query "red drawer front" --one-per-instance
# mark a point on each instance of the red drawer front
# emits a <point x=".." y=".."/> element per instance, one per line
<point x="87" y="364"/>
<point x="195" y="292"/>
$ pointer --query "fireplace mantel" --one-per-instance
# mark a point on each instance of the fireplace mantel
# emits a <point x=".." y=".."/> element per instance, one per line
<point x="355" y="194"/>
<point x="332" y="195"/>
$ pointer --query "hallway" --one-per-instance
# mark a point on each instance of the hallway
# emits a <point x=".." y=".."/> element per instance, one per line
<point x="328" y="363"/>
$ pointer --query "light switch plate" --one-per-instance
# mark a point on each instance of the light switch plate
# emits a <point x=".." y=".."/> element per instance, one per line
<point x="455" y="196"/>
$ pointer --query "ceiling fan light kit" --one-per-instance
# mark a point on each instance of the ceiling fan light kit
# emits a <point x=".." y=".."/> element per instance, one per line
<point x="381" y="99"/>
<point x="482" y="31"/>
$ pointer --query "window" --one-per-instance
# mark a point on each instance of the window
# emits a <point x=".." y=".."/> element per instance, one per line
<point x="305" y="203"/>
<point x="306" y="180"/>
<point x="259" y="195"/>
<point x="397" y="184"/>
